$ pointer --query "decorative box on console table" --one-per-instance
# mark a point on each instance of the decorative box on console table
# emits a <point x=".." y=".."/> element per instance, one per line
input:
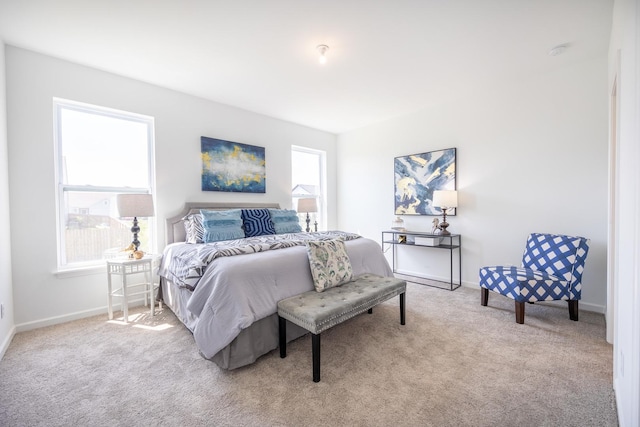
<point x="427" y="240"/>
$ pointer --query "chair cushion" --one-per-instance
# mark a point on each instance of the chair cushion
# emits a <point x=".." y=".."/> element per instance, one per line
<point x="524" y="284"/>
<point x="553" y="253"/>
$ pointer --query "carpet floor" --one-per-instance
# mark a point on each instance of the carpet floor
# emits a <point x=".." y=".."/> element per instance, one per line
<point x="454" y="363"/>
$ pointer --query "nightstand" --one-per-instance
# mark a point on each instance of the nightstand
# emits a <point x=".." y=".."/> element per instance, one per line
<point x="127" y="269"/>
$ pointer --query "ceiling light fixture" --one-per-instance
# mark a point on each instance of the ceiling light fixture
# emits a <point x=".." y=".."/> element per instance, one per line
<point x="322" y="48"/>
<point x="557" y="50"/>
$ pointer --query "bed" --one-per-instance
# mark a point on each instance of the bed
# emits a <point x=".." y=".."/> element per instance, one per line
<point x="226" y="293"/>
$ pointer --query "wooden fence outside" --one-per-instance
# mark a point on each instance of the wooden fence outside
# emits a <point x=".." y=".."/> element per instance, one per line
<point x="87" y="244"/>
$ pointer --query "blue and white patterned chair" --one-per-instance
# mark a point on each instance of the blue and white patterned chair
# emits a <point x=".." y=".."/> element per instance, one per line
<point x="552" y="267"/>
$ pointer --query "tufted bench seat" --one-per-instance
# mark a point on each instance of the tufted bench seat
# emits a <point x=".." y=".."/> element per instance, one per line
<point x="318" y="311"/>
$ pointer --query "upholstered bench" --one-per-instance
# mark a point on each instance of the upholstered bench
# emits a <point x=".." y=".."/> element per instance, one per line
<point x="318" y="311"/>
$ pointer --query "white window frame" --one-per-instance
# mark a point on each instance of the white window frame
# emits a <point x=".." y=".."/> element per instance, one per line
<point x="322" y="196"/>
<point x="60" y="104"/>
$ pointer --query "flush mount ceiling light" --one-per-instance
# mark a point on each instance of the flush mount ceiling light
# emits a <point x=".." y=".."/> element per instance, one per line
<point x="557" y="50"/>
<point x="322" y="48"/>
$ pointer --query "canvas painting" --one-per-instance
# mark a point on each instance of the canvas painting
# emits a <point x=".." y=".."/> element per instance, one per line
<point x="231" y="166"/>
<point x="417" y="176"/>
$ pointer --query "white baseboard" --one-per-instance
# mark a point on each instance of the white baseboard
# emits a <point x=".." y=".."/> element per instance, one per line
<point x="425" y="276"/>
<point x="50" y="321"/>
<point x="586" y="306"/>
<point x="7" y="342"/>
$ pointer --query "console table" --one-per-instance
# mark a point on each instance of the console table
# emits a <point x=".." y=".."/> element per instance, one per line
<point x="448" y="242"/>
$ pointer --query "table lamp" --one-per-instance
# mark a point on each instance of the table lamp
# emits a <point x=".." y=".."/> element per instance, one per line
<point x="445" y="199"/>
<point x="308" y="205"/>
<point x="134" y="206"/>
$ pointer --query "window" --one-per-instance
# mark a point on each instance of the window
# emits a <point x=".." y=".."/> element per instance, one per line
<point x="308" y="175"/>
<point x="99" y="153"/>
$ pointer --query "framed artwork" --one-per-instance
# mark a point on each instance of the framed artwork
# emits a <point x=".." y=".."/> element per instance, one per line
<point x="231" y="166"/>
<point x="417" y="176"/>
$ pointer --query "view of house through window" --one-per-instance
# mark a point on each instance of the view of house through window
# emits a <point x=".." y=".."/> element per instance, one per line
<point x="308" y="172"/>
<point x="99" y="153"/>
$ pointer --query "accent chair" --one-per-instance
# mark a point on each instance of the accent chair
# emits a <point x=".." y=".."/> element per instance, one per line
<point x="552" y="267"/>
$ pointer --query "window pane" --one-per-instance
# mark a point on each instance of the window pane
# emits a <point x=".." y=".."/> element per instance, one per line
<point x="92" y="229"/>
<point x="103" y="151"/>
<point x="305" y="168"/>
<point x="306" y="175"/>
<point x="100" y="153"/>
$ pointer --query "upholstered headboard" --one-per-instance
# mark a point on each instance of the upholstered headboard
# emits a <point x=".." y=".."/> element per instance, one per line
<point x="175" y="224"/>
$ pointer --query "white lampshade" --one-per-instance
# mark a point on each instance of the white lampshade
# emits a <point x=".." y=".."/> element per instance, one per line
<point x="445" y="199"/>
<point x="307" y="205"/>
<point x="135" y="205"/>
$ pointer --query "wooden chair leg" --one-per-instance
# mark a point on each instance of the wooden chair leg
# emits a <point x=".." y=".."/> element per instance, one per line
<point x="573" y="309"/>
<point x="519" y="312"/>
<point x="484" y="296"/>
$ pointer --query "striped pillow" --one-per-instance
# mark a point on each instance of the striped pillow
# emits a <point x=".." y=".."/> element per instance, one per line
<point x="194" y="228"/>
<point x="257" y="222"/>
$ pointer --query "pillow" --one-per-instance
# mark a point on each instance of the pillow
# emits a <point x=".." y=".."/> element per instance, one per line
<point x="222" y="225"/>
<point x="194" y="228"/>
<point x="285" y="221"/>
<point x="329" y="262"/>
<point x="257" y="222"/>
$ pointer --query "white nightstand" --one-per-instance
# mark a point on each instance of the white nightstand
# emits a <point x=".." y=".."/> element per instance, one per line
<point x="125" y="268"/>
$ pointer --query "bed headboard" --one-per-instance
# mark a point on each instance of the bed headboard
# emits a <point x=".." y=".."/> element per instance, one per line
<point x="175" y="224"/>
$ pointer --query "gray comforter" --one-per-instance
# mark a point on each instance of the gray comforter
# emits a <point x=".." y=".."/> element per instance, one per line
<point x="235" y="291"/>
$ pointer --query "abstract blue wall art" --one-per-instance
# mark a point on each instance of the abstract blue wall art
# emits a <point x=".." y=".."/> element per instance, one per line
<point x="416" y="178"/>
<point x="231" y="166"/>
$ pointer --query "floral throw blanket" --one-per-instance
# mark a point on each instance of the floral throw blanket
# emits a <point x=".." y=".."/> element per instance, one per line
<point x="185" y="265"/>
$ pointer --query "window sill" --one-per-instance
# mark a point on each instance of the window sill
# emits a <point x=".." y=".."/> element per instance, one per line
<point x="80" y="271"/>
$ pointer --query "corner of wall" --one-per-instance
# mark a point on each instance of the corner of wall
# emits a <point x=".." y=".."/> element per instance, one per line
<point x="7" y="325"/>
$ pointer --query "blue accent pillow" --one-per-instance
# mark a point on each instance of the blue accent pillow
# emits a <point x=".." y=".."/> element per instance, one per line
<point x="222" y="225"/>
<point x="257" y="222"/>
<point x="285" y="221"/>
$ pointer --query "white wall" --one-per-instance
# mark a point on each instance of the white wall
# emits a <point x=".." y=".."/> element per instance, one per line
<point x="6" y="290"/>
<point x="180" y="120"/>
<point x="625" y="72"/>
<point x="531" y="157"/>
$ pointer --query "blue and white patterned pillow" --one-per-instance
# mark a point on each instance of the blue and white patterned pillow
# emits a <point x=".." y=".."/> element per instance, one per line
<point x="257" y="222"/>
<point x="193" y="228"/>
<point x="285" y="221"/>
<point x="222" y="225"/>
<point x="329" y="262"/>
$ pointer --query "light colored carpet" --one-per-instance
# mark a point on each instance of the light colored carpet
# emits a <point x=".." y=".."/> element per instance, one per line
<point x="455" y="363"/>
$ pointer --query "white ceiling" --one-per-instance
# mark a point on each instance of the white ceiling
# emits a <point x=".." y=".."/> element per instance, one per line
<point x="386" y="57"/>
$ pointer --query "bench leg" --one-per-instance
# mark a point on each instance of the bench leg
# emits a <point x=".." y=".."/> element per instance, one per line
<point x="315" y="349"/>
<point x="282" y="336"/>
<point x="402" y="311"/>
